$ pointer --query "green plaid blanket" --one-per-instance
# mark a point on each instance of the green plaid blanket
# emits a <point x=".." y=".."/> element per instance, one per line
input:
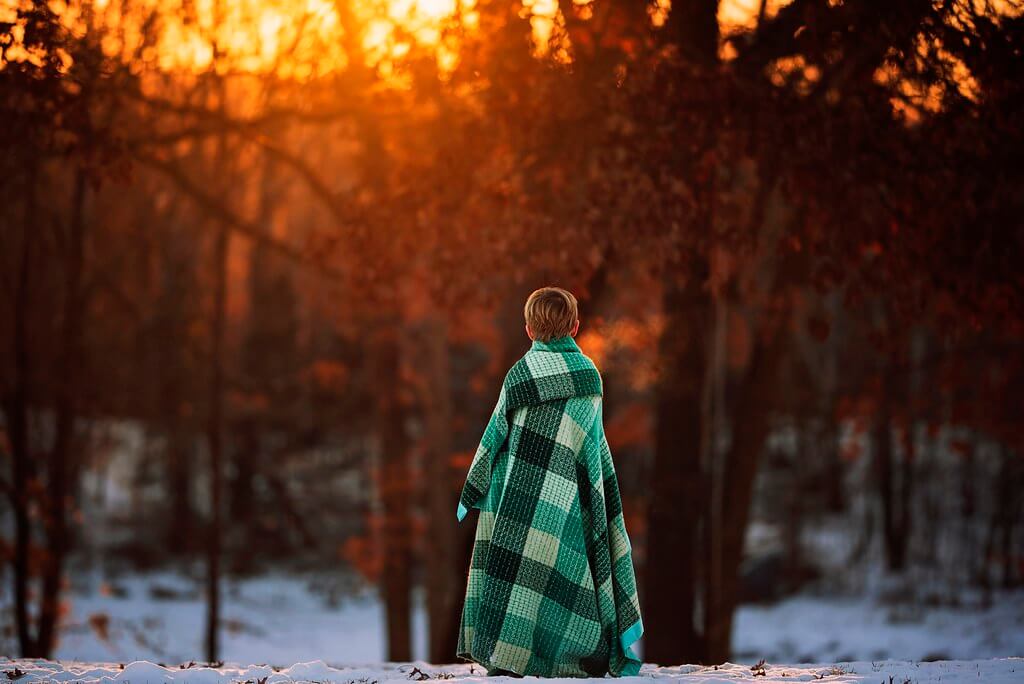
<point x="551" y="590"/>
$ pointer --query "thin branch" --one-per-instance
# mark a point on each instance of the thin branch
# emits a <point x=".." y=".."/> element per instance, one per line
<point x="271" y="115"/>
<point x="306" y="172"/>
<point x="247" y="130"/>
<point x="244" y="228"/>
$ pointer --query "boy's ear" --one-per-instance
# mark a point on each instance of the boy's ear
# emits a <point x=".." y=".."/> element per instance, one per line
<point x="528" y="333"/>
<point x="575" y="328"/>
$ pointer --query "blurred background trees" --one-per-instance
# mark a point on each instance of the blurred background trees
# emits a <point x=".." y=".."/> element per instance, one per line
<point x="263" y="265"/>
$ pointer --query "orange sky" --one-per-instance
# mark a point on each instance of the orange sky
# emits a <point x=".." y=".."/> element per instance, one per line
<point x="254" y="35"/>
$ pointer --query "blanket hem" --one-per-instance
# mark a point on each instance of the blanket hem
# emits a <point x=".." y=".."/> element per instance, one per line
<point x="627" y="639"/>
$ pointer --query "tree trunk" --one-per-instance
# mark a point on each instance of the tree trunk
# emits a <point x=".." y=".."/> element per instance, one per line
<point x="1006" y="516"/>
<point x="171" y="370"/>
<point x="215" y="439"/>
<point x="17" y="409"/>
<point x="395" y="485"/>
<point x="828" y="432"/>
<point x="828" y="446"/>
<point x="892" y="494"/>
<point x="246" y="459"/>
<point x="679" y="482"/>
<point x="179" y="457"/>
<point x="395" y="494"/>
<point x="750" y="426"/>
<point x="443" y="576"/>
<point x="882" y="443"/>
<point x="61" y="467"/>
<point x="908" y="463"/>
<point x="678" y="491"/>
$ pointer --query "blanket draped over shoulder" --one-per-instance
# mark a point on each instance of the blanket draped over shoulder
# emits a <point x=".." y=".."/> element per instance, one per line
<point x="551" y="589"/>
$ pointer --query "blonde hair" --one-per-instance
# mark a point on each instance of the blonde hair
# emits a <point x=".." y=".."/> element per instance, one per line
<point x="551" y="312"/>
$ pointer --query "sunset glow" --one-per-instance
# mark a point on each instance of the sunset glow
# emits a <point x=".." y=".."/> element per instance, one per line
<point x="304" y="39"/>
<point x="265" y="285"/>
<point x="299" y="40"/>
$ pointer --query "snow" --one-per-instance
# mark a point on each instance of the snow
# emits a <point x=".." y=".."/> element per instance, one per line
<point x="147" y="629"/>
<point x="811" y="628"/>
<point x="277" y="620"/>
<point x="997" y="671"/>
<point x="274" y="619"/>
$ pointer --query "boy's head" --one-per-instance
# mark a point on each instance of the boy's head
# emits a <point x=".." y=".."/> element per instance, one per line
<point x="551" y="313"/>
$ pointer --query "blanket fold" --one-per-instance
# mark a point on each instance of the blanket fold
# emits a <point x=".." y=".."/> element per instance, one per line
<point x="551" y="589"/>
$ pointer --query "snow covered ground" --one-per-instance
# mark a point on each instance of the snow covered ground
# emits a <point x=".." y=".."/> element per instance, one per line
<point x="147" y="629"/>
<point x="275" y="619"/>
<point x="1001" y="671"/>
<point x="278" y="620"/>
<point x="830" y="629"/>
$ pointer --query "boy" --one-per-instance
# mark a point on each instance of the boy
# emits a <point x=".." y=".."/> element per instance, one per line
<point x="551" y="590"/>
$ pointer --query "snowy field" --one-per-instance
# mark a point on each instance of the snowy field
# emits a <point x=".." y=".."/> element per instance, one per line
<point x="148" y="629"/>
<point x="1001" y="671"/>
<point x="279" y="621"/>
<point x="817" y="629"/>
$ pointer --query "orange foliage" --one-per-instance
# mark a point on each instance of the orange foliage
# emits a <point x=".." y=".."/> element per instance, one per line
<point x="364" y="552"/>
<point x="461" y="460"/>
<point x="630" y="426"/>
<point x="328" y="374"/>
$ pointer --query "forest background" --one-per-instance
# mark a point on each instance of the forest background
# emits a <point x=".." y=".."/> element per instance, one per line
<point x="262" y="267"/>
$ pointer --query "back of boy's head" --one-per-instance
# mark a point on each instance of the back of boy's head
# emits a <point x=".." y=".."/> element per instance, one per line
<point x="551" y="312"/>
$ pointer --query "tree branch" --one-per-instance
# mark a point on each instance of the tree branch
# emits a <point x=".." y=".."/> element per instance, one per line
<point x="244" y="228"/>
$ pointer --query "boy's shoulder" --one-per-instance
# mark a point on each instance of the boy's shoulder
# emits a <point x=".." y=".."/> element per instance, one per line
<point x="541" y="363"/>
<point x="542" y="375"/>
